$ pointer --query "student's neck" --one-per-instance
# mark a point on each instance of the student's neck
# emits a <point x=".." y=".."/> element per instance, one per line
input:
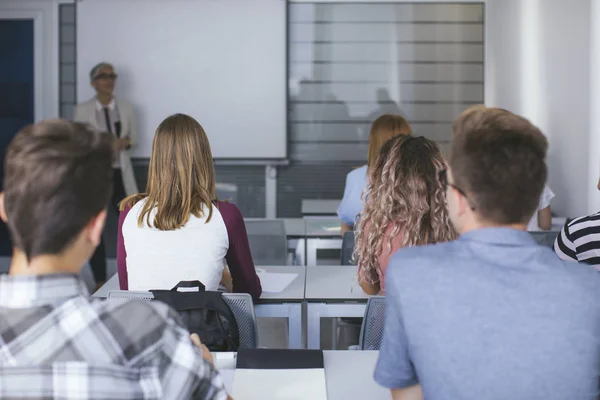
<point x="104" y="99"/>
<point x="42" y="265"/>
<point x="476" y="225"/>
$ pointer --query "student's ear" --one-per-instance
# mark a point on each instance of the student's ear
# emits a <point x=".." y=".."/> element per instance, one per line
<point x="2" y="210"/>
<point x="462" y="206"/>
<point x="96" y="227"/>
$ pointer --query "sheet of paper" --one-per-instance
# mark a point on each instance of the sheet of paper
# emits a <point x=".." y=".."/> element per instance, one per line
<point x="227" y="376"/>
<point x="275" y="282"/>
<point x="280" y="384"/>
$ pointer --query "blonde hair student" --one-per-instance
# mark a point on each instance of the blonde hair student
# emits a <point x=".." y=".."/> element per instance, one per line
<point x="382" y="129"/>
<point x="177" y="230"/>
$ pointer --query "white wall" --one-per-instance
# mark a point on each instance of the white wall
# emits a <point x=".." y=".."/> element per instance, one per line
<point x="538" y="65"/>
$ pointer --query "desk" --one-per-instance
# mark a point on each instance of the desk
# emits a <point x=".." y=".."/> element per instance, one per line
<point x="287" y="304"/>
<point x="309" y="235"/>
<point x="319" y="207"/>
<point x="321" y="233"/>
<point x="348" y="374"/>
<point x="331" y="291"/>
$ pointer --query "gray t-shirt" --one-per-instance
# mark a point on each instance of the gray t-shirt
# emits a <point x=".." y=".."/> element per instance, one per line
<point x="491" y="316"/>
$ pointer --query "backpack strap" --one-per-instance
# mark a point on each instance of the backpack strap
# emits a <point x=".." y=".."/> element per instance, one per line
<point x="190" y="284"/>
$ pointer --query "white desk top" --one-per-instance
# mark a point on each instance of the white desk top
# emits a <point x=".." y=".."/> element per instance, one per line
<point x="111" y="284"/>
<point x="333" y="283"/>
<point x="316" y="227"/>
<point x="294" y="291"/>
<point x="323" y="227"/>
<point x="320" y="207"/>
<point x="348" y="374"/>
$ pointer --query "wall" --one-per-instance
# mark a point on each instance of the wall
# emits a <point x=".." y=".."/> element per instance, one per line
<point x="538" y="65"/>
<point x="67" y="54"/>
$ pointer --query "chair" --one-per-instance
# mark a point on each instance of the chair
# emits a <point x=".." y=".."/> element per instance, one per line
<point x="227" y="192"/>
<point x="545" y="238"/>
<point x="240" y="304"/>
<point x="347" y="248"/>
<point x="371" y="331"/>
<point x="268" y="241"/>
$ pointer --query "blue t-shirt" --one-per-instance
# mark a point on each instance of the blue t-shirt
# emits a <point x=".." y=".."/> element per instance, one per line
<point x="351" y="204"/>
<point x="491" y="316"/>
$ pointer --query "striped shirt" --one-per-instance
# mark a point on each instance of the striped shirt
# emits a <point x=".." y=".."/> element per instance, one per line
<point x="579" y="240"/>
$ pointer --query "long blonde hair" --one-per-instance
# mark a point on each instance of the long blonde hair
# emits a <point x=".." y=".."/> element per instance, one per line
<point x="404" y="193"/>
<point x="384" y="128"/>
<point x="181" y="176"/>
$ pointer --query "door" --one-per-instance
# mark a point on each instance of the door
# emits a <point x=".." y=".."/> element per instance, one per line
<point x="16" y="91"/>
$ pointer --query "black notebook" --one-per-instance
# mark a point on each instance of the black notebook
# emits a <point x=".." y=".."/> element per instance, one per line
<point x="279" y="359"/>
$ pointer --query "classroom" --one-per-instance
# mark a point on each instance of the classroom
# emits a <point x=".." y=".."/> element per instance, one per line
<point x="300" y="199"/>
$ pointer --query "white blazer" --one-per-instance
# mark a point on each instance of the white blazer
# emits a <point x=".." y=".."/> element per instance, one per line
<point x="86" y="113"/>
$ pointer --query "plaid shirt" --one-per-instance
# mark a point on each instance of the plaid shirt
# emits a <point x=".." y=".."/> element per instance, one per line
<point x="57" y="343"/>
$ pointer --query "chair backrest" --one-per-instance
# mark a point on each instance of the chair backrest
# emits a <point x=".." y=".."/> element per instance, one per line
<point x="226" y="191"/>
<point x="347" y="248"/>
<point x="241" y="306"/>
<point x="268" y="241"/>
<point x="545" y="238"/>
<point x="371" y="331"/>
<point x="243" y="309"/>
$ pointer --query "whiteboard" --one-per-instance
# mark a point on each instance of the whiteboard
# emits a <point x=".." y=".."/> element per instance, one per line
<point x="221" y="61"/>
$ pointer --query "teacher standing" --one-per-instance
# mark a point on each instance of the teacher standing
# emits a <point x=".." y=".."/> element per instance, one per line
<point x="104" y="112"/>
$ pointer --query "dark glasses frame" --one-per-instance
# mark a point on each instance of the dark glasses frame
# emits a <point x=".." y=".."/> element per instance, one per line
<point x="112" y="76"/>
<point x="443" y="176"/>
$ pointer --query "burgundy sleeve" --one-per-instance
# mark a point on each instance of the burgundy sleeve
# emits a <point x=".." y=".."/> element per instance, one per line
<point x="121" y="252"/>
<point x="239" y="257"/>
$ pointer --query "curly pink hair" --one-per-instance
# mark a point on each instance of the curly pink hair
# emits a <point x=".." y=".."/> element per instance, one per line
<point x="406" y="194"/>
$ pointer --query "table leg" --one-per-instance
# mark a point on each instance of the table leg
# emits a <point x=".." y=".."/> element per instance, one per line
<point x="316" y="311"/>
<point x="295" y="326"/>
<point x="314" y="244"/>
<point x="290" y="311"/>
<point x="313" y="325"/>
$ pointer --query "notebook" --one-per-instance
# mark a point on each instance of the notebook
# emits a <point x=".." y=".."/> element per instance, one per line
<point x="279" y="374"/>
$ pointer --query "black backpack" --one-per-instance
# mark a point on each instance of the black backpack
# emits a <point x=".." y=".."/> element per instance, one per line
<point x="204" y="313"/>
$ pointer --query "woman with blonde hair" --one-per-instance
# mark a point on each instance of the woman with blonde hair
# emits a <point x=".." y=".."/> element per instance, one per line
<point x="383" y="128"/>
<point x="405" y="205"/>
<point x="177" y="230"/>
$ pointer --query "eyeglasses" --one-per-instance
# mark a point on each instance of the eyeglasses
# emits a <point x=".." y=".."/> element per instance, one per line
<point x="443" y="176"/>
<point x="112" y="76"/>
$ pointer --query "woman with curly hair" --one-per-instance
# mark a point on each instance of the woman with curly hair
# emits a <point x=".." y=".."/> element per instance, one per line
<point x="405" y="205"/>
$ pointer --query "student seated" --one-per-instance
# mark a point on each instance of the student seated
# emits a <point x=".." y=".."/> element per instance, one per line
<point x="579" y="240"/>
<point x="542" y="217"/>
<point x="178" y="231"/>
<point x="405" y="206"/>
<point x="491" y="315"/>
<point x="57" y="342"/>
<point x="383" y="128"/>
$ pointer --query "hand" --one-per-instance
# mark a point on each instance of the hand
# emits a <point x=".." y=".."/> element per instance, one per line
<point x="121" y="144"/>
<point x="206" y="355"/>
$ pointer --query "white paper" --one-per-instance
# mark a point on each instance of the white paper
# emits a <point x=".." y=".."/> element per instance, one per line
<point x="280" y="384"/>
<point x="227" y="376"/>
<point x="275" y="282"/>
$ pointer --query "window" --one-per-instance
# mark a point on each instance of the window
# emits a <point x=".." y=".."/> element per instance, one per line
<point x="351" y="62"/>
